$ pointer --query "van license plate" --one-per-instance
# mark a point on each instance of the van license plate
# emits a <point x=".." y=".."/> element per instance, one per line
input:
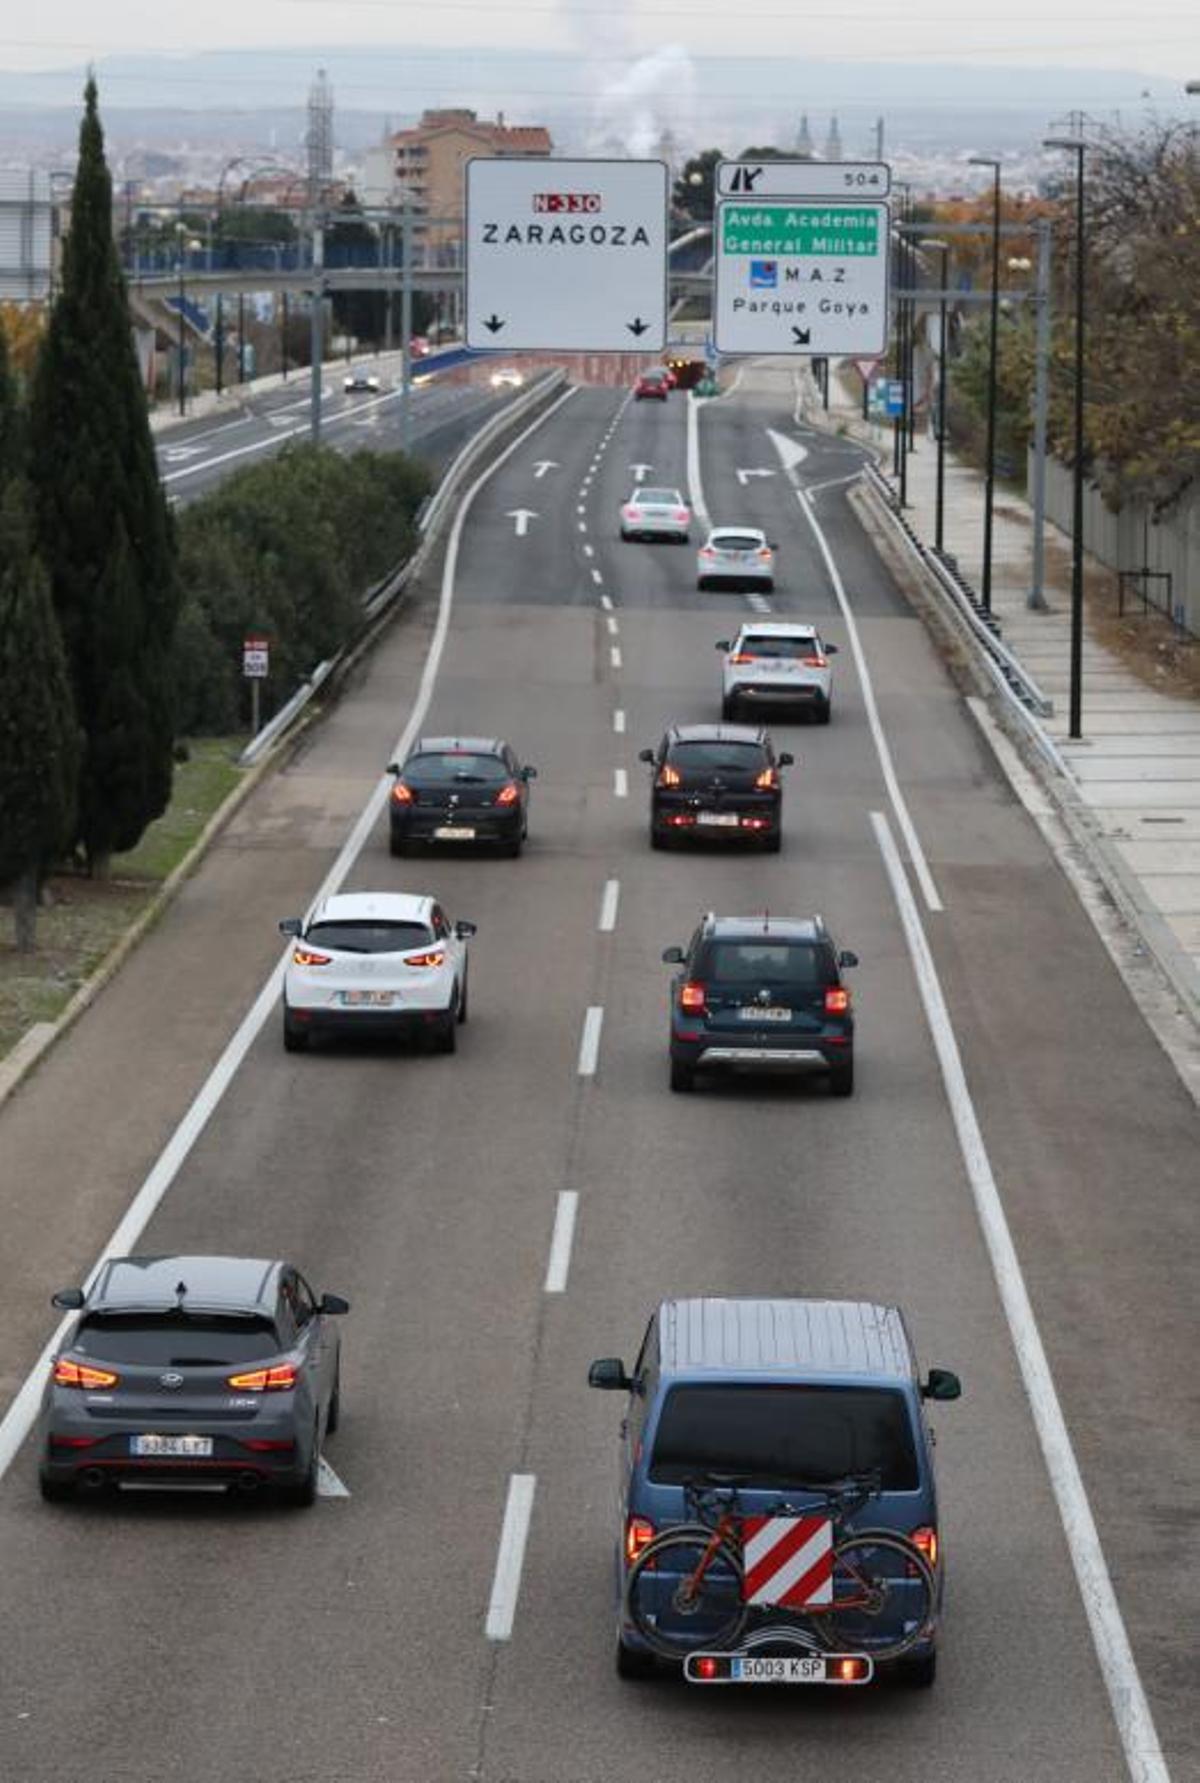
<point x="808" y="1668"/>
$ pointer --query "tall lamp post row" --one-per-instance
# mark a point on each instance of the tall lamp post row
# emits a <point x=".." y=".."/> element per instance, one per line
<point x="985" y="591"/>
<point x="1078" y="147"/>
<point x="943" y="248"/>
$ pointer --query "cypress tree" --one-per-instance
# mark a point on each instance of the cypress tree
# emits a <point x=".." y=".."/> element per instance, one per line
<point x="103" y="527"/>
<point x="39" y="740"/>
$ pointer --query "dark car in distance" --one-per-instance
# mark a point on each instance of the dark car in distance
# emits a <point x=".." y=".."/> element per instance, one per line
<point x="208" y="1372"/>
<point x="718" y="782"/>
<point x="469" y="791"/>
<point x="761" y="994"/>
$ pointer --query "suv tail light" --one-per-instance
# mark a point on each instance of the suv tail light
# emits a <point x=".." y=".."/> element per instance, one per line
<point x="926" y="1539"/>
<point x="281" y="1377"/>
<point x="508" y="795"/>
<point x="743" y="656"/>
<point x="403" y="795"/>
<point x="437" y="958"/>
<point x="691" y="996"/>
<point x="304" y="956"/>
<point x="639" y="1533"/>
<point x="669" y="776"/>
<point x="837" y="1000"/>
<point x="81" y="1374"/>
<point x="768" y="780"/>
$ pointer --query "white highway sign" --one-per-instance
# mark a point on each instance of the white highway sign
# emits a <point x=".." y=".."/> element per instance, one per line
<point x="801" y="276"/>
<point x="570" y="256"/>
<point x="803" y="179"/>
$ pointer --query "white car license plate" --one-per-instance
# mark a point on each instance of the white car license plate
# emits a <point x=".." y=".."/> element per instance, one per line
<point x="756" y="1013"/>
<point x="455" y="832"/>
<point x="807" y="1668"/>
<point x="180" y="1448"/>
<point x="724" y="820"/>
<point x="367" y="999"/>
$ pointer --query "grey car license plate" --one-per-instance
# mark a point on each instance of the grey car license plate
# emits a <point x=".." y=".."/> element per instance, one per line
<point x="455" y="832"/>
<point x="754" y="1012"/>
<point x="171" y="1448"/>
<point x="723" y="820"/>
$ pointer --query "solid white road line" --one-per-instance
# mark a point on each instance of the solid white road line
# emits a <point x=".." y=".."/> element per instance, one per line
<point x="589" y="1044"/>
<point x="615" y="656"/>
<point x="620" y="783"/>
<point x="619" y="722"/>
<point x="328" y="1483"/>
<point x="18" y="1420"/>
<point x="1130" y="1709"/>
<point x="695" y="487"/>
<point x="560" y="1242"/>
<point x="513" y="1536"/>
<point x="612" y="624"/>
<point x="916" y="853"/>
<point x="608" y="906"/>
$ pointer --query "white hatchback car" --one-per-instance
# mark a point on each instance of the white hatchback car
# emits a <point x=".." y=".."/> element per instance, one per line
<point x="736" y="557"/>
<point x="361" y="379"/>
<point x="656" y="514"/>
<point x="376" y="962"/>
<point x="773" y="663"/>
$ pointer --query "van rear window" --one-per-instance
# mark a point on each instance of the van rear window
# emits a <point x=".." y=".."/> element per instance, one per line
<point x="780" y="1435"/>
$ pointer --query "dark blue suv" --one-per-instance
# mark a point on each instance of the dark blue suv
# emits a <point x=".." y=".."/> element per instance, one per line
<point x="758" y="1397"/>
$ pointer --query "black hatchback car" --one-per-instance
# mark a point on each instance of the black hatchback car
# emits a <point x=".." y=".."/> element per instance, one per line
<point x="717" y="782"/>
<point x="761" y="993"/>
<point x="192" y="1371"/>
<point x="460" y="790"/>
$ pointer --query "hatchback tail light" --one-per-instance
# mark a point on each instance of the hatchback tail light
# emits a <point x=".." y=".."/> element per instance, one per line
<point x="707" y="551"/>
<point x="304" y="956"/>
<point x="681" y="513"/>
<point x="926" y="1539"/>
<point x="764" y="553"/>
<point x="669" y="776"/>
<point x="436" y="958"/>
<point x="768" y="780"/>
<point x="639" y="1533"/>
<point x="81" y="1374"/>
<point x="508" y="795"/>
<point x="837" y="1000"/>
<point x="743" y="656"/>
<point x="691" y="996"/>
<point x="280" y="1377"/>
<point x="815" y="662"/>
<point x="403" y="795"/>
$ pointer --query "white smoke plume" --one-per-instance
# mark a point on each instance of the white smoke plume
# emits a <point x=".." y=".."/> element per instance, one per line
<point x="641" y="104"/>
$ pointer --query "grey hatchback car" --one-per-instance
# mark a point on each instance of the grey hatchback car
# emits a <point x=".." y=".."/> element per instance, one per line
<point x="732" y="1403"/>
<point x="208" y="1372"/>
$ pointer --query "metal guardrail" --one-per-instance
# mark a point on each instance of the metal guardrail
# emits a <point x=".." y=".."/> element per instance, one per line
<point x="379" y="598"/>
<point x="1015" y="684"/>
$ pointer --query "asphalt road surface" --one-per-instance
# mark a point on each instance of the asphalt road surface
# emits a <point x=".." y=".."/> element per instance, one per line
<point x="196" y="1640"/>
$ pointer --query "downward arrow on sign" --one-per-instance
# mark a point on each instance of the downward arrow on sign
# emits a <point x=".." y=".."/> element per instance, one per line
<point x="522" y="516"/>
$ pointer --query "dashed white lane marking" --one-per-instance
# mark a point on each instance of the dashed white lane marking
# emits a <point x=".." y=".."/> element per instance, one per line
<point x="606" y="602"/>
<point x="560" y="1241"/>
<point x="620" y="783"/>
<point x="580" y="507"/>
<point x="328" y="1483"/>
<point x="596" y="575"/>
<point x="589" y="550"/>
<point x="608" y="906"/>
<point x="514" y="1534"/>
<point x="614" y="656"/>
<point x="758" y="603"/>
<point x="589" y="1044"/>
<point x="1130" y="1709"/>
<point x="582" y="524"/>
<point x="619" y="722"/>
<point x="613" y="626"/>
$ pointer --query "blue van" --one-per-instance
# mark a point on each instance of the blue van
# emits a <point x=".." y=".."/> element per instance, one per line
<point x="777" y="1414"/>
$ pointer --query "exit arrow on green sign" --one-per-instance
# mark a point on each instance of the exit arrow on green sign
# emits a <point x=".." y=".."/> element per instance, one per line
<point x="841" y="231"/>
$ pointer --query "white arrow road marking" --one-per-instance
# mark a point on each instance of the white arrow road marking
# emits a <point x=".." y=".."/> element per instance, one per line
<point x="328" y="1483"/>
<point x="522" y="516"/>
<point x="744" y="476"/>
<point x="789" y="450"/>
<point x="542" y="466"/>
<point x="639" y="471"/>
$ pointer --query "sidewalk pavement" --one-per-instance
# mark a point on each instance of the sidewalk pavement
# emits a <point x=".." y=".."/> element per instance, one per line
<point x="1136" y="769"/>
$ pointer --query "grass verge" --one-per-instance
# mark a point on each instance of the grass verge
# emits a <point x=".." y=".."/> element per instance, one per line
<point x="83" y="919"/>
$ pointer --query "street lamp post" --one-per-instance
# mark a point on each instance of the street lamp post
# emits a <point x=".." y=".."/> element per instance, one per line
<point x="943" y="248"/>
<point x="181" y="237"/>
<point x="219" y="342"/>
<point x="900" y="422"/>
<point x="985" y="590"/>
<point x="1078" y="148"/>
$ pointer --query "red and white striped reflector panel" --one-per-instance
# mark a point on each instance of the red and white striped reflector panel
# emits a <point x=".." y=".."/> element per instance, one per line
<point x="788" y="1562"/>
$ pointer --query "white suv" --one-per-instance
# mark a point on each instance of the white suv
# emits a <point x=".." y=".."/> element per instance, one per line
<point x="772" y="663"/>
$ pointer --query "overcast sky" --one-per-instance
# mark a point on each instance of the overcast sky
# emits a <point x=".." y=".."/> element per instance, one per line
<point x="1161" y="37"/>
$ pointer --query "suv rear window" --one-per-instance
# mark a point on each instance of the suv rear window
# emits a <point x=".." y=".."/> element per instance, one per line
<point x="737" y="541"/>
<point x="728" y="758"/>
<point x="783" y="1435"/>
<point x="454" y="765"/>
<point x="778" y="648"/>
<point x="176" y="1340"/>
<point x="369" y="937"/>
<point x="768" y="962"/>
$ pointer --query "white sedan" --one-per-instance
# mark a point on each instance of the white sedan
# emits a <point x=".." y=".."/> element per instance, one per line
<point x="360" y="379"/>
<point x="772" y="662"/>
<point x="376" y="962"/>
<point x="656" y="514"/>
<point x="736" y="557"/>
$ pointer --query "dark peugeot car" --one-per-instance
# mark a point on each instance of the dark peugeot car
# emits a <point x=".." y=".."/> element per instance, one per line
<point x="192" y="1371"/>
<point x="761" y="993"/>
<point x="716" y="781"/>
<point x="460" y="790"/>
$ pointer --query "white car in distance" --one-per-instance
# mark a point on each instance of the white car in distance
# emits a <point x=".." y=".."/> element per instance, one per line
<point x="376" y="962"/>
<point x="772" y="662"/>
<point x="656" y="514"/>
<point x="507" y="377"/>
<point x="739" y="557"/>
<point x="360" y="380"/>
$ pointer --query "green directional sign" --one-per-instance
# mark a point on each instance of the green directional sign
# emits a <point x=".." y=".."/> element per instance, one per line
<point x="838" y="231"/>
<point x="801" y="276"/>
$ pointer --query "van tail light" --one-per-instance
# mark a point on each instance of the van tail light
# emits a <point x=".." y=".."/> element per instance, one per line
<point x="743" y="656"/>
<point x="926" y="1539"/>
<point x="437" y="958"/>
<point x="768" y="780"/>
<point x="81" y="1374"/>
<point x="508" y="795"/>
<point x="281" y="1377"/>
<point x="304" y="956"/>
<point x="837" y="1002"/>
<point x="691" y="996"/>
<point x="816" y="661"/>
<point x="669" y="776"/>
<point x="403" y="795"/>
<point x="639" y="1533"/>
